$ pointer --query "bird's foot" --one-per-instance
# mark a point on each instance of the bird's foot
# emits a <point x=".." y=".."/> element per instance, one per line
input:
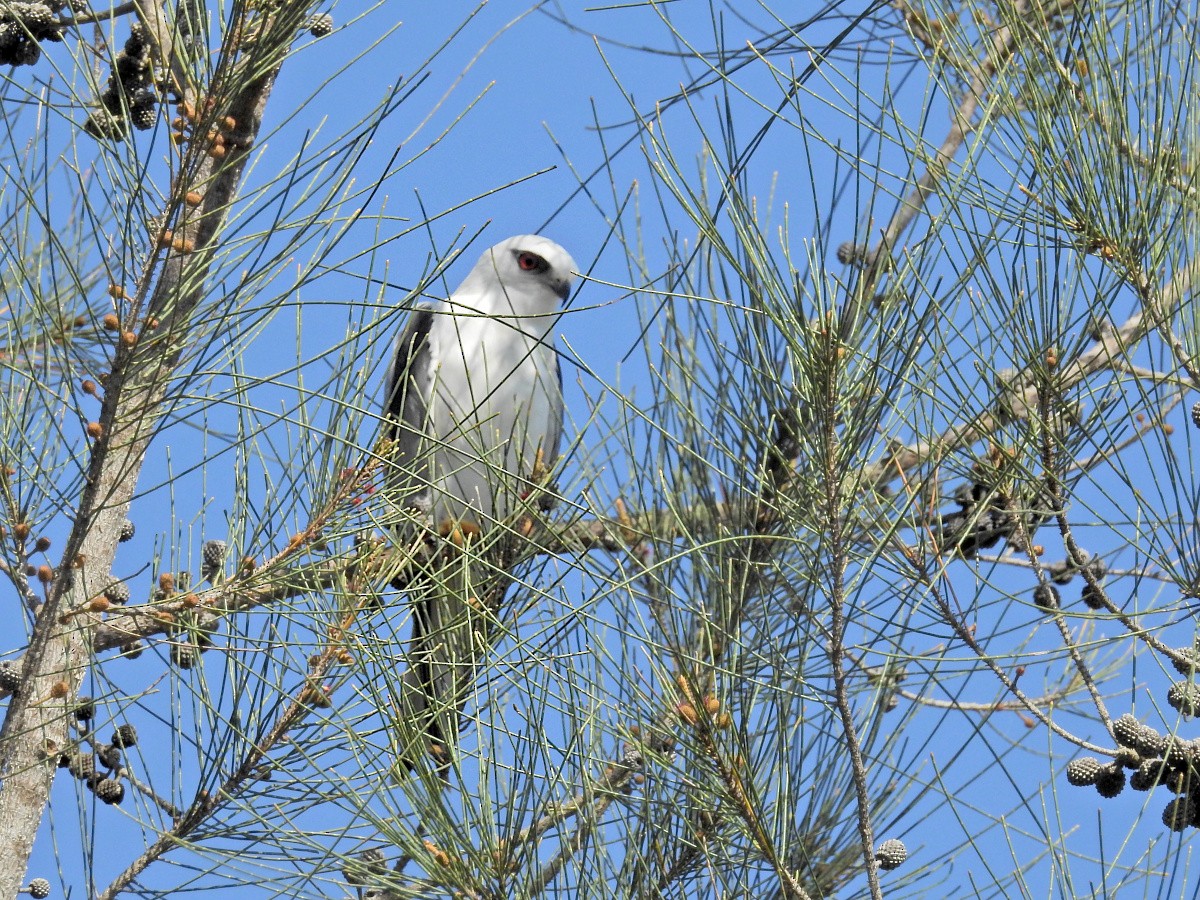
<point x="459" y="532"/>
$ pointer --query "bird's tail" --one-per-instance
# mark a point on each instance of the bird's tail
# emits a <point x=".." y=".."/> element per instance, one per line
<point x="453" y="624"/>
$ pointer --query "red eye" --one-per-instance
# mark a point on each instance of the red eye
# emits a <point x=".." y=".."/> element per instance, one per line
<point x="531" y="262"/>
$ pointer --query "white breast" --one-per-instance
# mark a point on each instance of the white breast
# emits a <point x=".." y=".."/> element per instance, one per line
<point x="489" y="413"/>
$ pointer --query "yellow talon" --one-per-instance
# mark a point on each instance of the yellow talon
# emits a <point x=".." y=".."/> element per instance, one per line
<point x="625" y="524"/>
<point x="459" y="532"/>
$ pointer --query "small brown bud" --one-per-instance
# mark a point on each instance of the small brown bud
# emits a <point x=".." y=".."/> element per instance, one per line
<point x="228" y="123"/>
<point x="723" y="720"/>
<point x="43" y="544"/>
<point x="687" y="712"/>
<point x="165" y="238"/>
<point x="217" y="151"/>
<point x="116" y="291"/>
<point x="320" y="697"/>
<point x="100" y="604"/>
<point x="21" y="531"/>
<point x="183" y="245"/>
<point x="110" y="322"/>
<point x="441" y="857"/>
<point x="193" y="198"/>
<point x="95" y="430"/>
<point x="59" y="689"/>
<point x="128" y="338"/>
<point x="79" y="321"/>
<point x="45" y="574"/>
<point x="89" y="387"/>
<point x="166" y="583"/>
<point x="191" y="601"/>
<point x="712" y="705"/>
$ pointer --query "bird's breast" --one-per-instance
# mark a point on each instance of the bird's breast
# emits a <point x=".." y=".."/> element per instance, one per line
<point x="493" y="396"/>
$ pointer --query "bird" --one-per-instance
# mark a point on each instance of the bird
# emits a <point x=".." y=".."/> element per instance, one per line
<point x="474" y="416"/>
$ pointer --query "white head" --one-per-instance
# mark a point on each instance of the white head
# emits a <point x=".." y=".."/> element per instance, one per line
<point x="526" y="275"/>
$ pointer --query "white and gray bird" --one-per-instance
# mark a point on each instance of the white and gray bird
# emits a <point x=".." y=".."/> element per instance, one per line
<point x="474" y="408"/>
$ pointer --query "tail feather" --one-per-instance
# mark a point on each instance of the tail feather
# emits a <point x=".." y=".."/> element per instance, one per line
<point x="448" y="645"/>
<point x="454" y="604"/>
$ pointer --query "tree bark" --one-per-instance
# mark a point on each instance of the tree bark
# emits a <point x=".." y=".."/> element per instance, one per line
<point x="35" y="728"/>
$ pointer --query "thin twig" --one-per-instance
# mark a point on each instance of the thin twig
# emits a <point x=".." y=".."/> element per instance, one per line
<point x="206" y="803"/>
<point x="570" y="846"/>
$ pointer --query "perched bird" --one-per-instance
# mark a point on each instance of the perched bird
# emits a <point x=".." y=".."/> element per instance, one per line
<point x="474" y="409"/>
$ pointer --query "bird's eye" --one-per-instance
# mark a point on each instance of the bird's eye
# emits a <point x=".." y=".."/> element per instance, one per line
<point x="531" y="262"/>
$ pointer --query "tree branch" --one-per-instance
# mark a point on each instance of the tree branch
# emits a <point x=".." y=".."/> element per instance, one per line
<point x="153" y="335"/>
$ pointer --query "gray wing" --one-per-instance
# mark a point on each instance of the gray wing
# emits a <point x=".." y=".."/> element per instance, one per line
<point x="548" y="495"/>
<point x="405" y="407"/>
<point x="427" y="688"/>
<point x="554" y="432"/>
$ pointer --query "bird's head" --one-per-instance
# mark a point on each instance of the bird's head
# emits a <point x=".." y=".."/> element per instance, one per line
<point x="534" y="275"/>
